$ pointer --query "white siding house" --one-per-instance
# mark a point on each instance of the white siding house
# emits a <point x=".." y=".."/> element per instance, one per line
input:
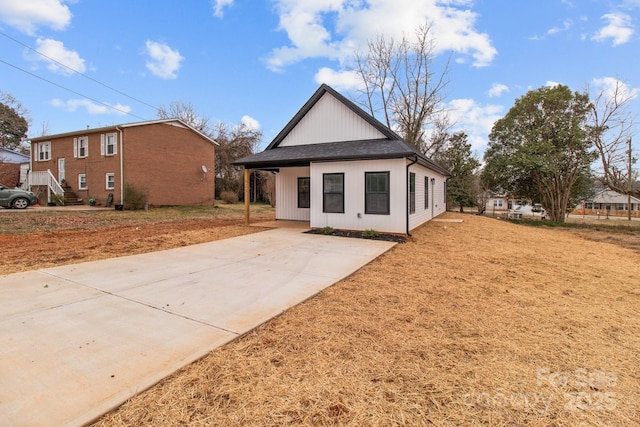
<point x="338" y="167"/>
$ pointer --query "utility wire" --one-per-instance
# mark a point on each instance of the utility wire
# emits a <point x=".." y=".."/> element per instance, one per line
<point x="78" y="72"/>
<point x="72" y="91"/>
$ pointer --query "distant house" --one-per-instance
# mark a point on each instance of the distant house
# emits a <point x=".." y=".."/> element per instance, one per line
<point x="609" y="202"/>
<point x="336" y="166"/>
<point x="13" y="168"/>
<point x="170" y="160"/>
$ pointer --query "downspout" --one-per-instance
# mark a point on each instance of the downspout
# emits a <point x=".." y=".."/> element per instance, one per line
<point x="415" y="160"/>
<point x="121" y="166"/>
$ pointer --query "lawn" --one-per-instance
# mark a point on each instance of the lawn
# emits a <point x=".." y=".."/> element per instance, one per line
<point x="482" y="322"/>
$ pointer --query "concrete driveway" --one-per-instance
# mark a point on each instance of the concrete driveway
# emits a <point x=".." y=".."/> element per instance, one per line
<point x="79" y="340"/>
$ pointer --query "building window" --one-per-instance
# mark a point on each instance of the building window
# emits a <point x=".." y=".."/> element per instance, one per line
<point x="622" y="206"/>
<point x="43" y="152"/>
<point x="497" y="203"/>
<point x="111" y="181"/>
<point x="426" y="192"/>
<point x="81" y="147"/>
<point x="109" y="144"/>
<point x="376" y="198"/>
<point x="304" y="195"/>
<point x="333" y="193"/>
<point x="412" y="192"/>
<point x="82" y="181"/>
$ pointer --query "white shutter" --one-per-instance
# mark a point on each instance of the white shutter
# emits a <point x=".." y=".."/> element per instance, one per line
<point x="102" y="145"/>
<point x="36" y="151"/>
<point x="75" y="147"/>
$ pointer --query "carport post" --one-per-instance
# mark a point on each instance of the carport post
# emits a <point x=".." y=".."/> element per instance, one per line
<point x="247" y="173"/>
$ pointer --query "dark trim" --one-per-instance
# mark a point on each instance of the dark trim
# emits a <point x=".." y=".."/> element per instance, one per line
<point x="319" y="93"/>
<point x="324" y="209"/>
<point x="406" y="193"/>
<point x="300" y="178"/>
<point x="388" y="193"/>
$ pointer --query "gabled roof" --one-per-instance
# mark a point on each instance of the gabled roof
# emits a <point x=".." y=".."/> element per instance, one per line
<point x="170" y="122"/>
<point x="390" y="147"/>
<point x="10" y="156"/>
<point x="610" y="196"/>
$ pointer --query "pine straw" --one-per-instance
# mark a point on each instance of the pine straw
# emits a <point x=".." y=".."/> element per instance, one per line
<point x="483" y="322"/>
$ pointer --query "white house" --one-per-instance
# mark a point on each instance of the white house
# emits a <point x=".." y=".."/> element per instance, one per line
<point x="609" y="202"/>
<point x="336" y="166"/>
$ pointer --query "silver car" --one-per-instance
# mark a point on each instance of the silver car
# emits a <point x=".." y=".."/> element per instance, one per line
<point x="16" y="198"/>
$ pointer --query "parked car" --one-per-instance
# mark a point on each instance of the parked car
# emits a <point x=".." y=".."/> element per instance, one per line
<point x="16" y="198"/>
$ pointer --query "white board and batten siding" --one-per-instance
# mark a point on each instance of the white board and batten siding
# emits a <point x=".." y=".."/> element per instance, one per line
<point x="437" y="193"/>
<point x="354" y="216"/>
<point x="330" y="121"/>
<point x="287" y="194"/>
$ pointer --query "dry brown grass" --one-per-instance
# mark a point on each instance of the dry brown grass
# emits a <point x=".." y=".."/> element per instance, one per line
<point x="483" y="322"/>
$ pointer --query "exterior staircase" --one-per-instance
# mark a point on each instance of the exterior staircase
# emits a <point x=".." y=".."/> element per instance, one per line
<point x="70" y="197"/>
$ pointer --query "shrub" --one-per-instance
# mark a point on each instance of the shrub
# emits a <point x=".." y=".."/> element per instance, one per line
<point x="57" y="199"/>
<point x="229" y="197"/>
<point x="327" y="230"/>
<point x="370" y="234"/>
<point x="135" y="197"/>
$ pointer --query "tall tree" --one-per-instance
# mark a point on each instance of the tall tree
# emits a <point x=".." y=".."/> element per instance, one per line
<point x="462" y="165"/>
<point x="402" y="88"/>
<point x="611" y="126"/>
<point x="186" y="112"/>
<point x="235" y="142"/>
<point x="541" y="149"/>
<point x="14" y="122"/>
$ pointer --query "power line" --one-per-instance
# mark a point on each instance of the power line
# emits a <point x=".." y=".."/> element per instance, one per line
<point x="78" y="72"/>
<point x="71" y="90"/>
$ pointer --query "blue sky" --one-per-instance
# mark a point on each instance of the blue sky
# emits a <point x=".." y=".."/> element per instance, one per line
<point x="258" y="61"/>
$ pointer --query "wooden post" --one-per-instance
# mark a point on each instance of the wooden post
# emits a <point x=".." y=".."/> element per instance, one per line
<point x="247" y="193"/>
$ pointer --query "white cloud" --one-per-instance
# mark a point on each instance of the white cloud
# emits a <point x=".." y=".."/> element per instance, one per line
<point x="91" y="107"/>
<point x="55" y="54"/>
<point x="609" y="84"/>
<point x="28" y="15"/>
<point x="474" y="119"/>
<point x="566" y="25"/>
<point x="551" y="83"/>
<point x="163" y="61"/>
<point x="334" y="29"/>
<point x="339" y="80"/>
<point x="619" y="28"/>
<point x="219" y="5"/>
<point x="498" y="89"/>
<point x="250" y="122"/>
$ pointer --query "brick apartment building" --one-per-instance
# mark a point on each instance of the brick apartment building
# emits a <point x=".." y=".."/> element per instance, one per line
<point x="171" y="161"/>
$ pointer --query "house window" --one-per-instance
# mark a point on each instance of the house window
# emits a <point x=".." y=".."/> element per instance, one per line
<point x="81" y="147"/>
<point x="426" y="192"/>
<point x="43" y="151"/>
<point x="304" y="195"/>
<point x="109" y="144"/>
<point x="376" y="198"/>
<point x="497" y="203"/>
<point x="622" y="206"/>
<point x="333" y="193"/>
<point x="111" y="181"/>
<point x="82" y="181"/>
<point x="412" y="192"/>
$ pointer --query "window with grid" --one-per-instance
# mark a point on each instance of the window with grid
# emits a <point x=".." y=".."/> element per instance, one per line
<point x="376" y="198"/>
<point x="82" y="181"/>
<point x="333" y="192"/>
<point x="110" y="181"/>
<point x="304" y="195"/>
<point x="412" y="192"/>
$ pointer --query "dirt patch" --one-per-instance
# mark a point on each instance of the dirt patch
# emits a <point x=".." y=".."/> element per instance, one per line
<point x="483" y="322"/>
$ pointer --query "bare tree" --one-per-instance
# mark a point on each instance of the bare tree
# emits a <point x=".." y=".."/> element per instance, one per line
<point x="402" y="88"/>
<point x="611" y="128"/>
<point x="186" y="112"/>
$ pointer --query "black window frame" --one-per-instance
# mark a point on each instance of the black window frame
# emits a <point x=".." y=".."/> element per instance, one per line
<point x="426" y="192"/>
<point x="301" y="194"/>
<point x="326" y="194"/>
<point x="412" y="192"/>
<point x="368" y="209"/>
